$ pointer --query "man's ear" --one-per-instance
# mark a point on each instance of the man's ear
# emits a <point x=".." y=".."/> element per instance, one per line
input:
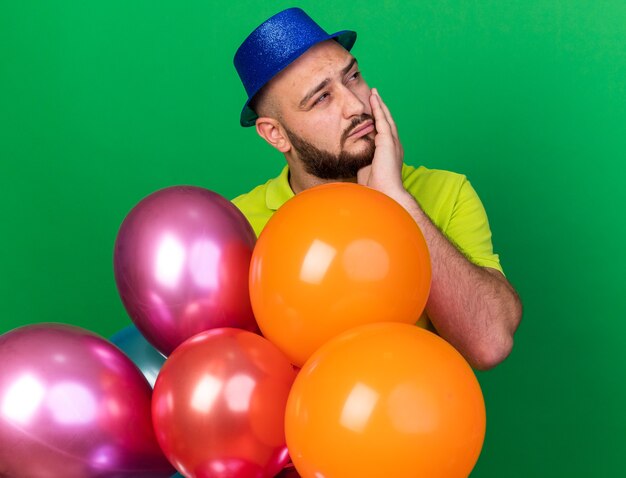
<point x="269" y="129"/>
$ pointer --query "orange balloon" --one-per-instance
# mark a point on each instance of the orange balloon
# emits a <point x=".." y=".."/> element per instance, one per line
<point x="385" y="400"/>
<point x="332" y="258"/>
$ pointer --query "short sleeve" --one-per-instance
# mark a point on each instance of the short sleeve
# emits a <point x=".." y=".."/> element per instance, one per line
<point x="469" y="229"/>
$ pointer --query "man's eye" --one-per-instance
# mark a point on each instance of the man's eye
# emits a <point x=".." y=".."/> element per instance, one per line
<point x="321" y="98"/>
<point x="356" y="75"/>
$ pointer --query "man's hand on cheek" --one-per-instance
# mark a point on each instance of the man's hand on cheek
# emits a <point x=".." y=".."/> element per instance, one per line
<point x="385" y="172"/>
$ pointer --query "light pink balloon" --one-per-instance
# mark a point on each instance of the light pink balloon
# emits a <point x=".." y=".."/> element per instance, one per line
<point x="72" y="405"/>
<point x="181" y="261"/>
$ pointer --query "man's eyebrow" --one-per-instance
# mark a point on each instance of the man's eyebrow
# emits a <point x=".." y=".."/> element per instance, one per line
<point x="324" y="84"/>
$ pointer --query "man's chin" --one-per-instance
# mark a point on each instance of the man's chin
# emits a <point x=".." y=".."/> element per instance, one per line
<point x="329" y="166"/>
<point x="352" y="166"/>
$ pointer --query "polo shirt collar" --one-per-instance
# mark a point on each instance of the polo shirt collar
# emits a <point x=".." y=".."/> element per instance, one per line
<point x="278" y="190"/>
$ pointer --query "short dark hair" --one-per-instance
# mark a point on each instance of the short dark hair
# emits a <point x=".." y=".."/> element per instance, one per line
<point x="260" y="102"/>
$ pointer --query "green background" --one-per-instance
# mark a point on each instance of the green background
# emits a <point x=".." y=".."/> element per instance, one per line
<point x="102" y="103"/>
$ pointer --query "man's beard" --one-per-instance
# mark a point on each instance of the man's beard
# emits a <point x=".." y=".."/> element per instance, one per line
<point x="326" y="165"/>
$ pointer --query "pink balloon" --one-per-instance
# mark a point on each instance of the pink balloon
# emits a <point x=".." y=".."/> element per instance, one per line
<point x="219" y="406"/>
<point x="181" y="261"/>
<point x="73" y="405"/>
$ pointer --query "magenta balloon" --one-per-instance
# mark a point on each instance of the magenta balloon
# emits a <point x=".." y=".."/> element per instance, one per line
<point x="72" y="405"/>
<point x="181" y="262"/>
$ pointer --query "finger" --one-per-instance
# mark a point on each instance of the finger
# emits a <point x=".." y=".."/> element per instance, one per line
<point x="376" y="98"/>
<point x="382" y="124"/>
<point x="390" y="120"/>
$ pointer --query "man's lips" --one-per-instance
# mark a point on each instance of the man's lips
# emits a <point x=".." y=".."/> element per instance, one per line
<point x="363" y="129"/>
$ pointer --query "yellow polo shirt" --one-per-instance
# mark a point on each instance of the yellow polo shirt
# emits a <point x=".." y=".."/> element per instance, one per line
<point x="447" y="198"/>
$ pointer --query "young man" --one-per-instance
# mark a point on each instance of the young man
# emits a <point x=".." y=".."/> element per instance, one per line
<point x="308" y="99"/>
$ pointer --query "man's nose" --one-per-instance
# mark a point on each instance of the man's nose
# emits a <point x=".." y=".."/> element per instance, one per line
<point x="352" y="104"/>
